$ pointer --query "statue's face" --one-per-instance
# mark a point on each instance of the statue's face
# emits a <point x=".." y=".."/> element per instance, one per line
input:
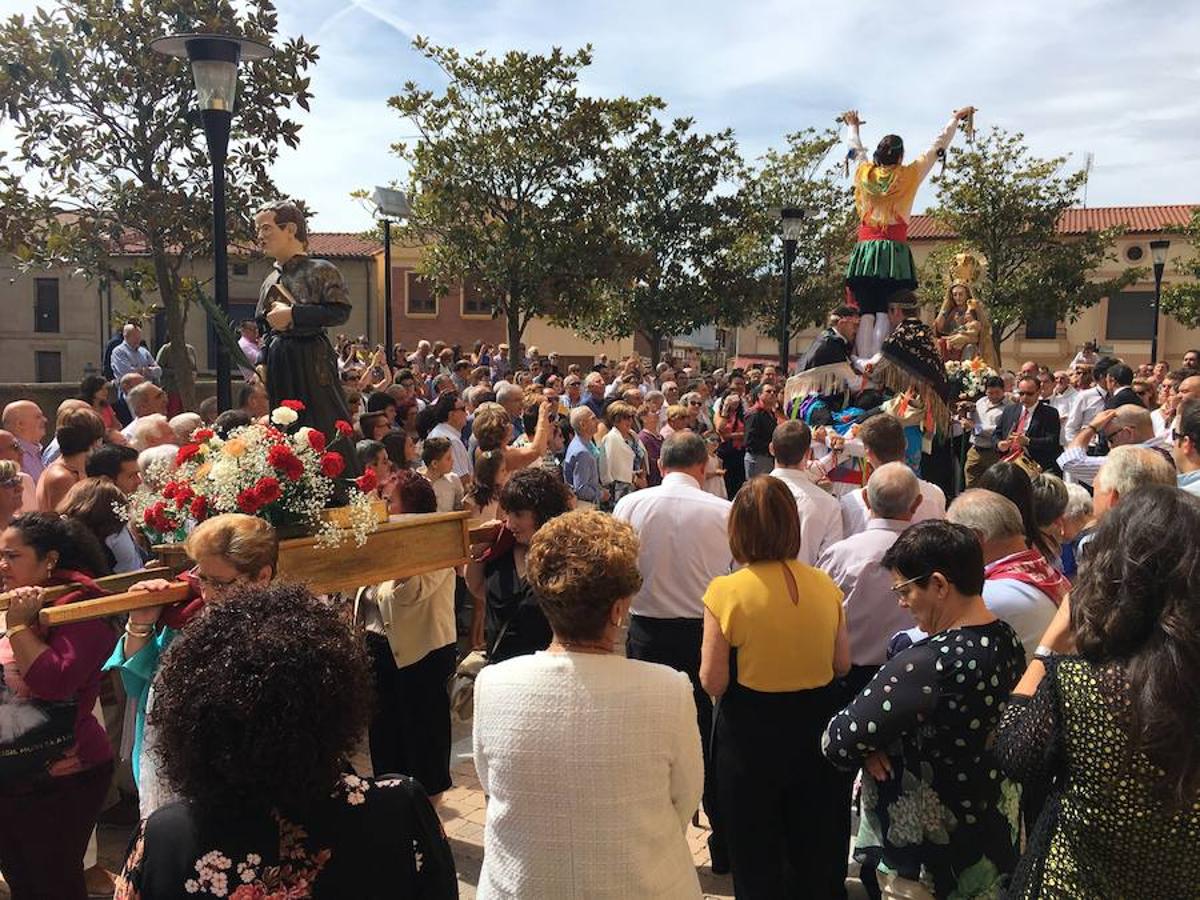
<point x="277" y="242"/>
<point x="958" y="294"/>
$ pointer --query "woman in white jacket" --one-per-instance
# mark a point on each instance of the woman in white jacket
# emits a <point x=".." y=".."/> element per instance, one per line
<point x="590" y="761"/>
<point x="622" y="455"/>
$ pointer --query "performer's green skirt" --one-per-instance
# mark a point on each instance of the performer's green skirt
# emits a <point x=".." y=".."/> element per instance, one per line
<point x="877" y="270"/>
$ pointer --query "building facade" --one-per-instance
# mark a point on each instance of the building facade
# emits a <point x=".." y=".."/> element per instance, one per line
<point x="1121" y="325"/>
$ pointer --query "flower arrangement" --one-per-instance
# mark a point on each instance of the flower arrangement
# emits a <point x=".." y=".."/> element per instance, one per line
<point x="260" y="470"/>
<point x="970" y="376"/>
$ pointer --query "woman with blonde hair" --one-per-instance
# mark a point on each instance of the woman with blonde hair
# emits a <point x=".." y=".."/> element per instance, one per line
<point x="615" y="738"/>
<point x="229" y="551"/>
<point x="624" y="458"/>
<point x="774" y="641"/>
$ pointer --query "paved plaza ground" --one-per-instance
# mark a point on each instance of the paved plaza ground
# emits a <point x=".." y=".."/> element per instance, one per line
<point x="462" y="813"/>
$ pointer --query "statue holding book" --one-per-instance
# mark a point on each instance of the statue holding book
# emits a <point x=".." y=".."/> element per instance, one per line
<point x="296" y="303"/>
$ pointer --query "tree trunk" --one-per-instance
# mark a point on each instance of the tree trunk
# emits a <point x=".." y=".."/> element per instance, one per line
<point x="655" y="340"/>
<point x="512" y="319"/>
<point x="168" y="290"/>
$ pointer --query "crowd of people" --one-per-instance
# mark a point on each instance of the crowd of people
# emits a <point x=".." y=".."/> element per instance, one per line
<point x="683" y="601"/>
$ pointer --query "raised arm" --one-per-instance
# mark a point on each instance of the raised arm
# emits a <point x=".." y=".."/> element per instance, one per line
<point x="925" y="161"/>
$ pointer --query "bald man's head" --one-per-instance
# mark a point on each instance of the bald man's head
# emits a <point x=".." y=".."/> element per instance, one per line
<point x="25" y="419"/>
<point x="1133" y="421"/>
<point x="893" y="492"/>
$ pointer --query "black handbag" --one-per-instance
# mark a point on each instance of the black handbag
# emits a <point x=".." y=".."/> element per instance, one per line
<point x="33" y="734"/>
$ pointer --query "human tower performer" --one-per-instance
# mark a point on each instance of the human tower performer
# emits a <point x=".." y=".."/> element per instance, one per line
<point x="884" y="190"/>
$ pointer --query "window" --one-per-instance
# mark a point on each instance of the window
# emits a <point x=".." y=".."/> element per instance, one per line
<point x="1131" y="316"/>
<point x="474" y="303"/>
<point x="47" y="366"/>
<point x="1041" y="328"/>
<point x="421" y="300"/>
<point x="241" y="269"/>
<point x="1134" y="253"/>
<point x="45" y="316"/>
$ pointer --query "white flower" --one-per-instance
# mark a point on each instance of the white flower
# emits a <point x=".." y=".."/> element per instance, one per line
<point x="281" y="415"/>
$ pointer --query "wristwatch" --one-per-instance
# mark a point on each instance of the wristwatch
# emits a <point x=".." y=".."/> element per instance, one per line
<point x="15" y="629"/>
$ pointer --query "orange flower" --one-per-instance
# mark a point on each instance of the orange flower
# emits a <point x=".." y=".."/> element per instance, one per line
<point x="234" y="447"/>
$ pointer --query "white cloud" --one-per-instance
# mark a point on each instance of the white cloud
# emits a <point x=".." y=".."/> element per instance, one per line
<point x="1118" y="79"/>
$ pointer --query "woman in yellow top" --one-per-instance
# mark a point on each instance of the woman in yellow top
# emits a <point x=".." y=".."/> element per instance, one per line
<point x="774" y="641"/>
<point x="884" y="190"/>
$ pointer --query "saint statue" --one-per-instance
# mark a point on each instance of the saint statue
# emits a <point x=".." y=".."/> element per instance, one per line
<point x="962" y="326"/>
<point x="298" y="300"/>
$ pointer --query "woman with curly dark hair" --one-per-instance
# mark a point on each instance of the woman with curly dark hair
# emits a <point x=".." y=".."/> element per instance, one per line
<point x="506" y="612"/>
<point x="55" y="758"/>
<point x="1107" y="713"/>
<point x="259" y="702"/>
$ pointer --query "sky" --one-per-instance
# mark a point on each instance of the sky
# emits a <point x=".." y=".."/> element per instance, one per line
<point x="1119" y="80"/>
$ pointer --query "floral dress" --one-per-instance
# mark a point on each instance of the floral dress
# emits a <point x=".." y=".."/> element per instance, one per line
<point x="370" y="839"/>
<point x="947" y="817"/>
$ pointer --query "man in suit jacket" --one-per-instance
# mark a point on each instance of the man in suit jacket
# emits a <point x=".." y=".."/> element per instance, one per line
<point x="1120" y="388"/>
<point x="1031" y="424"/>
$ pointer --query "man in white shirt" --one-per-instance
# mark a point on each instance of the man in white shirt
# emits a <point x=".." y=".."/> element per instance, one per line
<point x="820" y="513"/>
<point x="248" y="342"/>
<point x="872" y="614"/>
<point x="147" y="399"/>
<point x="1121" y="427"/>
<point x="1020" y="587"/>
<point x="1063" y="396"/>
<point x="451" y="410"/>
<point x="1089" y="401"/>
<point x="983" y="454"/>
<point x="884" y="441"/>
<point x="684" y="546"/>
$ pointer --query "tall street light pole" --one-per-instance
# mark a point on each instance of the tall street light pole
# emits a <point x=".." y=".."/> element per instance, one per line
<point x="214" y="59"/>
<point x="392" y="204"/>
<point x="791" y="221"/>
<point x="1158" y="252"/>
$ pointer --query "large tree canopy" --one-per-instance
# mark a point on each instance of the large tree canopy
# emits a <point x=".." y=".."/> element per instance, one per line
<point x="1006" y="204"/>
<point x="511" y="181"/>
<point x="110" y="152"/>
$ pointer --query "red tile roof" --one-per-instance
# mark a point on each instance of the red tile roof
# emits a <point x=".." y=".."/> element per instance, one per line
<point x="1136" y="219"/>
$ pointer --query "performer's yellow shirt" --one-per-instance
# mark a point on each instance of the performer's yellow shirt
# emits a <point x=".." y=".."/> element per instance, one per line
<point x="884" y="195"/>
<point x="782" y="646"/>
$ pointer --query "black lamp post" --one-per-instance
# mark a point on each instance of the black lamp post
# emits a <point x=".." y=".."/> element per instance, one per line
<point x="1158" y="252"/>
<point x="214" y="59"/>
<point x="791" y="220"/>
<point x="392" y="204"/>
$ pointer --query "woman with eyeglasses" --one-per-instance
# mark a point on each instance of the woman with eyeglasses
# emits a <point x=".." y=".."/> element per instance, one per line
<point x="229" y="551"/>
<point x="938" y="819"/>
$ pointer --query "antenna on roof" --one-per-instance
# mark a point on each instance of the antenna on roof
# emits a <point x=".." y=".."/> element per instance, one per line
<point x="1087" y="174"/>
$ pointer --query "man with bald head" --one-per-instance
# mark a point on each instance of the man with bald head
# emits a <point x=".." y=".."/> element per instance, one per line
<point x="147" y="399"/>
<point x="1124" y="426"/>
<point x="1020" y="586"/>
<point x="26" y="422"/>
<point x="872" y="613"/>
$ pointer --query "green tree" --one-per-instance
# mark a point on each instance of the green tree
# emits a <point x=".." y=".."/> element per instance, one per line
<point x="111" y="154"/>
<point x="1005" y="204"/>
<point x="676" y="229"/>
<point x="1182" y="299"/>
<point x="801" y="175"/>
<point x="509" y="184"/>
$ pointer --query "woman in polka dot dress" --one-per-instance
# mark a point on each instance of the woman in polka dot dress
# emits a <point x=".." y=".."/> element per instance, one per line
<point x="938" y="818"/>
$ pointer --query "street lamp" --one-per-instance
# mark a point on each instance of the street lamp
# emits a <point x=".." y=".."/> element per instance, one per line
<point x="791" y="220"/>
<point x="1158" y="252"/>
<point x="392" y="204"/>
<point x="214" y="59"/>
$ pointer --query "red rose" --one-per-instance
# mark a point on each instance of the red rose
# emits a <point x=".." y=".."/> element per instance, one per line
<point x="170" y="490"/>
<point x="278" y="455"/>
<point x="316" y="440"/>
<point x="343" y="428"/>
<point x="186" y="452"/>
<point x="247" y="501"/>
<point x="183" y="496"/>
<point x="293" y="405"/>
<point x="199" y="507"/>
<point x="268" y="490"/>
<point x="332" y="464"/>
<point x="202" y="434"/>
<point x="367" y="481"/>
